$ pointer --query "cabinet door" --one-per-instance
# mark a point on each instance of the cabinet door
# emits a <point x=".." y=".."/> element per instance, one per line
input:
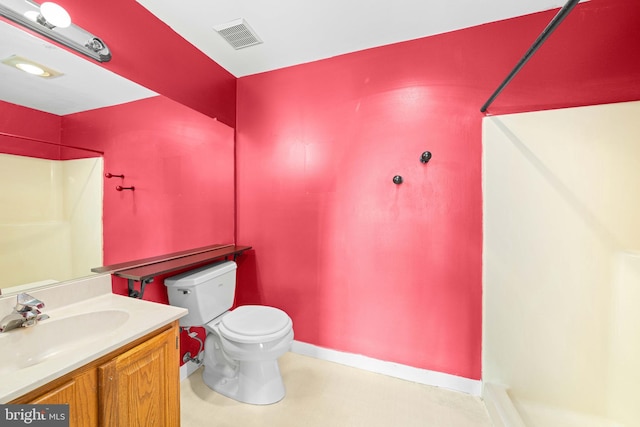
<point x="81" y="393"/>
<point x="142" y="386"/>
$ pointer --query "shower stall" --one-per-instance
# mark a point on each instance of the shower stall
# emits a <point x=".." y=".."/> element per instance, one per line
<point x="561" y="274"/>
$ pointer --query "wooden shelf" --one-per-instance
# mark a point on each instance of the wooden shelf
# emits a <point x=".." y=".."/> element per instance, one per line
<point x="144" y="270"/>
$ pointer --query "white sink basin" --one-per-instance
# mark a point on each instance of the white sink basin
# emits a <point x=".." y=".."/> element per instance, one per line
<point x="56" y="337"/>
<point x="87" y="321"/>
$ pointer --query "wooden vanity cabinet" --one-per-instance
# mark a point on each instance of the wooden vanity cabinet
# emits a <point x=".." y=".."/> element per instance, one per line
<point x="137" y="385"/>
<point x="141" y="386"/>
<point x="80" y="392"/>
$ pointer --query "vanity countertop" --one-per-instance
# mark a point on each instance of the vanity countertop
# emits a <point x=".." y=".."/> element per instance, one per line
<point x="120" y="319"/>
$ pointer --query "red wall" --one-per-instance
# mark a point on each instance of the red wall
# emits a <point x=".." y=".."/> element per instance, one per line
<point x="28" y="132"/>
<point x="181" y="164"/>
<point x="394" y="271"/>
<point x="363" y="265"/>
<point x="590" y="59"/>
<point x="33" y="133"/>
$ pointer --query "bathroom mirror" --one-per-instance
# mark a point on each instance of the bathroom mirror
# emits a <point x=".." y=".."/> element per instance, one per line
<point x="51" y="219"/>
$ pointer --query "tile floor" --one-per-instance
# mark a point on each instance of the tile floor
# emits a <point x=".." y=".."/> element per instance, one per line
<point x="321" y="393"/>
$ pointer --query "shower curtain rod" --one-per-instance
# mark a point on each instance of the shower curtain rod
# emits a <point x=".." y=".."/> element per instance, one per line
<point x="41" y="141"/>
<point x="562" y="13"/>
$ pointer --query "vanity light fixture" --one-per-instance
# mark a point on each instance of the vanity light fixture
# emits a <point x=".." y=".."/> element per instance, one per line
<point x="31" y="67"/>
<point x="52" y="21"/>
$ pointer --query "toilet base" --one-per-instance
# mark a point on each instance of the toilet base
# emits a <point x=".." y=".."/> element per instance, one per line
<point x="254" y="382"/>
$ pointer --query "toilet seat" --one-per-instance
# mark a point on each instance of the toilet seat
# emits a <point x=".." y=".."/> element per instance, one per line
<point x="254" y="324"/>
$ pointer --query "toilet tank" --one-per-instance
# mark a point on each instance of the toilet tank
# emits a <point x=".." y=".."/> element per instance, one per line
<point x="207" y="292"/>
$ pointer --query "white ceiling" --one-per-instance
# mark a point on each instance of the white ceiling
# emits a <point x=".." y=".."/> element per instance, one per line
<point x="299" y="31"/>
<point x="76" y="90"/>
<point x="293" y="32"/>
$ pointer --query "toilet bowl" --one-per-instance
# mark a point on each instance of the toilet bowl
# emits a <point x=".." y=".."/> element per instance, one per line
<point x="241" y="357"/>
<point x="243" y="345"/>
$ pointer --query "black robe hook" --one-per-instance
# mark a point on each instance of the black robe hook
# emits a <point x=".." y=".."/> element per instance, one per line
<point x="110" y="175"/>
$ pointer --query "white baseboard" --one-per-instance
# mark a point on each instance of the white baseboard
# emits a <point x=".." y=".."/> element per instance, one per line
<point x="409" y="373"/>
<point x="396" y="370"/>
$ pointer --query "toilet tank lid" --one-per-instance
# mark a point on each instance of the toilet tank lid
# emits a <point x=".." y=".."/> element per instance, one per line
<point x="200" y="275"/>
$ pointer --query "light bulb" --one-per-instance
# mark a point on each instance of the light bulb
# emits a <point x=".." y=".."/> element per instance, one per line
<point x="55" y="14"/>
<point x="32" y="15"/>
<point x="32" y="69"/>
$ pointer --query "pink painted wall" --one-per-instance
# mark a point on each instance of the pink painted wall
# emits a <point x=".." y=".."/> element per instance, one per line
<point x="19" y="134"/>
<point x="32" y="133"/>
<point x="360" y="264"/>
<point x="394" y="272"/>
<point x="181" y="163"/>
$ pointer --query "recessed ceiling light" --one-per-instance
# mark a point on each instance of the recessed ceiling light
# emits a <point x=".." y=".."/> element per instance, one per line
<point x="31" y="67"/>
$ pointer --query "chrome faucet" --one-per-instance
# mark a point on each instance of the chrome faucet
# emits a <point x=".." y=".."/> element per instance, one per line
<point x="26" y="313"/>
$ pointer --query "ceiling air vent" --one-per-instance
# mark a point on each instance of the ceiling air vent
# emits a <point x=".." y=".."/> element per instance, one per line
<point x="238" y="33"/>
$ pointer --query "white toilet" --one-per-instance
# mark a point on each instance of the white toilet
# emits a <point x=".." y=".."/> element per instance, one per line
<point x="243" y="345"/>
